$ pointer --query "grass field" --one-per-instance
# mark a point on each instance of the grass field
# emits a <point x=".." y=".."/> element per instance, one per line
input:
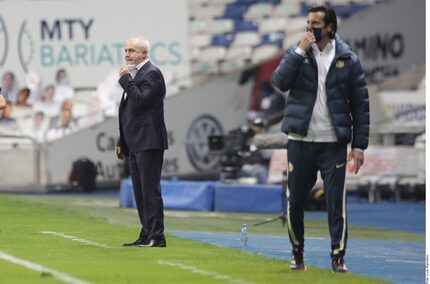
<point x="40" y="230"/>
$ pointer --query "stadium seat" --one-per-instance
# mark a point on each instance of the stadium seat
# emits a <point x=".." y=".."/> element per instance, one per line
<point x="343" y="11"/>
<point x="273" y="38"/>
<point x="273" y="2"/>
<point x="200" y="41"/>
<point x="223" y="40"/>
<point x="385" y="188"/>
<point x="295" y="24"/>
<point x="272" y="25"/>
<point x="246" y="2"/>
<point x="409" y="188"/>
<point x="244" y="39"/>
<point x="244" y="26"/>
<point x="286" y="10"/>
<point x="195" y="52"/>
<point x="358" y="8"/>
<point x="404" y="189"/>
<point x="230" y="66"/>
<point x="220" y="26"/>
<point x="264" y="52"/>
<point x="258" y="10"/>
<point x="198" y="26"/>
<point x="292" y="39"/>
<point x="212" y="54"/>
<point x="238" y="53"/>
<point x="366" y="187"/>
<point x="235" y="11"/>
<point x="206" y="12"/>
<point x="222" y="2"/>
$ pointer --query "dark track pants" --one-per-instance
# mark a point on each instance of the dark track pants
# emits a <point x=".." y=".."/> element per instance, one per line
<point x="304" y="161"/>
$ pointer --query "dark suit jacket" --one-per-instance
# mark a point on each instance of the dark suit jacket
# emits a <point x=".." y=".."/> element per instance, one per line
<point x="141" y="113"/>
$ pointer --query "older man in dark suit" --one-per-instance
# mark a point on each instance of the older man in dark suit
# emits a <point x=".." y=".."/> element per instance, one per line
<point x="143" y="137"/>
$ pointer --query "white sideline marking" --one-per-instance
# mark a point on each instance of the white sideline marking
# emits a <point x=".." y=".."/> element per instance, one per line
<point x="204" y="272"/>
<point x="39" y="268"/>
<point x="76" y="239"/>
<point x="404" y="261"/>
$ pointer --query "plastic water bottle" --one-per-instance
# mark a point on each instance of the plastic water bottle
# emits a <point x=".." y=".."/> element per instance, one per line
<point x="244" y="236"/>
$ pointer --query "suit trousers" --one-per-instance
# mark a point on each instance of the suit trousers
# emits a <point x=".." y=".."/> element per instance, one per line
<point x="304" y="161"/>
<point x="145" y="171"/>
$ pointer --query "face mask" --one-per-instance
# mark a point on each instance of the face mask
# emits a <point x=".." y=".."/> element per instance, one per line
<point x="317" y="34"/>
<point x="131" y="67"/>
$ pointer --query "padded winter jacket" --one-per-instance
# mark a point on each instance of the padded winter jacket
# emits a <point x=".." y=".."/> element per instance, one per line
<point x="347" y="94"/>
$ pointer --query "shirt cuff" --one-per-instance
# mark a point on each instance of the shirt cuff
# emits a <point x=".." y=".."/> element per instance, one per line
<point x="300" y="51"/>
<point x="358" y="150"/>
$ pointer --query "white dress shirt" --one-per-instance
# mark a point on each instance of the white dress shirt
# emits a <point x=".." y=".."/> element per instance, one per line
<point x="134" y="68"/>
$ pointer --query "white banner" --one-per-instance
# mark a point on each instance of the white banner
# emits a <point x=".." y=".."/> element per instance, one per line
<point x="86" y="38"/>
<point x="389" y="38"/>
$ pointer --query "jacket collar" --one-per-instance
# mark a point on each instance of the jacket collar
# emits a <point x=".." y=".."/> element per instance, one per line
<point x="143" y="68"/>
<point x="342" y="48"/>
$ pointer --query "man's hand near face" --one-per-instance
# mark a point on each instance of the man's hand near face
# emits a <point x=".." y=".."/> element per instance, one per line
<point x="123" y="71"/>
<point x="306" y="41"/>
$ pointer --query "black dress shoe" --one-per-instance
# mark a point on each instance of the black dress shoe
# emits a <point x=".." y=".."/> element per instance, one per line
<point x="154" y="242"/>
<point x="135" y="243"/>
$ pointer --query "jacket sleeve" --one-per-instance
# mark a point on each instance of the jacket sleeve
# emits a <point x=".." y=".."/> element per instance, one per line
<point x="359" y="105"/>
<point x="286" y="72"/>
<point x="143" y="94"/>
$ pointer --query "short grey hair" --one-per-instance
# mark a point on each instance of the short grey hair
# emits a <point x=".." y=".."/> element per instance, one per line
<point x="142" y="42"/>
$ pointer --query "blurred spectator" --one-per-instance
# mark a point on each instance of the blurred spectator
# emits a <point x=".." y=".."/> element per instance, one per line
<point x="7" y="122"/>
<point x="23" y="97"/>
<point x="170" y="79"/>
<point x="34" y="83"/>
<point x="48" y="106"/>
<point x="38" y="127"/>
<point x="109" y="93"/>
<point x="255" y="163"/>
<point x="64" y="127"/>
<point x="23" y="109"/>
<point x="67" y="105"/>
<point x="8" y="87"/>
<point x="272" y="103"/>
<point x="63" y="90"/>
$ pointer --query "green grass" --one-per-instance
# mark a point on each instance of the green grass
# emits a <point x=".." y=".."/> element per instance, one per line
<point x="209" y="221"/>
<point x="24" y="217"/>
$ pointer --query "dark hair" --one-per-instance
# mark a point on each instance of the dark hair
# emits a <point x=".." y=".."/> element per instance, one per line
<point x="9" y="73"/>
<point x="59" y="73"/>
<point x="329" y="16"/>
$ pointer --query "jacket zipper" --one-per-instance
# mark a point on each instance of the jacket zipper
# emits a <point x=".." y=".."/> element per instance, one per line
<point x="315" y="67"/>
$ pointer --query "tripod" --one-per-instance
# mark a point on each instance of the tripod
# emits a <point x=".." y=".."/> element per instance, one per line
<point x="283" y="215"/>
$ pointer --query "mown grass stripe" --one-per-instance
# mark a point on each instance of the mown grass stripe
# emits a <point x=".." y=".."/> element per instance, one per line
<point x="37" y="267"/>
<point x="75" y="239"/>
<point x="204" y="272"/>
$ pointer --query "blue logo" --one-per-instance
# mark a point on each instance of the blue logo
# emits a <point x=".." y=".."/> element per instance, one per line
<point x="4" y="42"/>
<point x="197" y="142"/>
<point x="25" y="47"/>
